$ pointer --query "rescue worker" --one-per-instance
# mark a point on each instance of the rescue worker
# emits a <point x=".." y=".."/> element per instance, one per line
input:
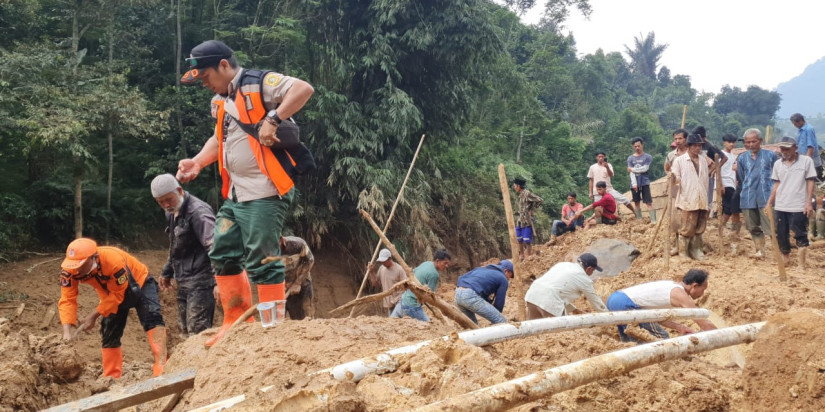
<point x="190" y="224"/>
<point x="122" y="283"/>
<point x="258" y="152"/>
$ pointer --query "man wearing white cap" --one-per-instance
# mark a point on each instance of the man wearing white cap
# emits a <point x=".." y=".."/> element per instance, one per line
<point x="387" y="275"/>
<point x="190" y="224"/>
<point x="553" y="293"/>
<point x="793" y="186"/>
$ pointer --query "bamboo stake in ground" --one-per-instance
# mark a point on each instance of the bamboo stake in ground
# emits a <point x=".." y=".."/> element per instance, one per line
<point x="780" y="262"/>
<point x="684" y="115"/>
<point x="387" y="223"/>
<point x="423" y="294"/>
<point x="511" y="228"/>
<point x="656" y="233"/>
<point x="719" y="191"/>
<point x="667" y="213"/>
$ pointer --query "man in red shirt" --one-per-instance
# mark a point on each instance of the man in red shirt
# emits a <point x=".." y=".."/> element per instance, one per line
<point x="604" y="210"/>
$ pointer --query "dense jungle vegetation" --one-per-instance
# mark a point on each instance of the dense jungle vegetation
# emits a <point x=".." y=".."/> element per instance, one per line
<point x="91" y="109"/>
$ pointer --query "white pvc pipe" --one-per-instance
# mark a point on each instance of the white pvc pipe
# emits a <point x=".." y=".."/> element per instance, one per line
<point x="387" y="362"/>
<point x="540" y="385"/>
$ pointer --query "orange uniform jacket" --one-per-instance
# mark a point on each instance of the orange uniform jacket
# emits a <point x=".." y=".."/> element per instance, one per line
<point x="110" y="281"/>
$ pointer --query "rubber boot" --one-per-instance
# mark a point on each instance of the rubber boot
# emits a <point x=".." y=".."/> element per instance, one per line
<point x="638" y="213"/>
<point x="236" y="298"/>
<point x="820" y="229"/>
<point x="696" y="245"/>
<point x="157" y="342"/>
<point x="652" y="215"/>
<point x="270" y="293"/>
<point x="759" y="244"/>
<point x="684" y="246"/>
<point x="803" y="257"/>
<point x="112" y="362"/>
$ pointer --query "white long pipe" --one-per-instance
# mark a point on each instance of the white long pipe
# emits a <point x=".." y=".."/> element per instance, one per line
<point x="387" y="362"/>
<point x="529" y="388"/>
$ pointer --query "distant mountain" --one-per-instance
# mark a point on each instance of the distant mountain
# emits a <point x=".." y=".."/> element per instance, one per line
<point x="804" y="93"/>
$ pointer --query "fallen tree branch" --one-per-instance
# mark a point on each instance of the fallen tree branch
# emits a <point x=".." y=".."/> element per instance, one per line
<point x="423" y="294"/>
<point x="372" y="298"/>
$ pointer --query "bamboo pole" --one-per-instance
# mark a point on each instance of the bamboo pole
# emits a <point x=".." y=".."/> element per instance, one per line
<point x="780" y="262"/>
<point x="768" y="134"/>
<point x="668" y="212"/>
<point x="387" y="223"/>
<point x="388" y="361"/>
<point x="541" y="385"/>
<point x="684" y="115"/>
<point x="423" y="294"/>
<point x="656" y="232"/>
<point x="719" y="191"/>
<point x="511" y="228"/>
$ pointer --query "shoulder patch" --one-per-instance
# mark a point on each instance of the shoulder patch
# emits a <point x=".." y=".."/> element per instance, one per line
<point x="121" y="279"/>
<point x="272" y="79"/>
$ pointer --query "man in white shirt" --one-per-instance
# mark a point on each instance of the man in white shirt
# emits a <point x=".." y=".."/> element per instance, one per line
<point x="602" y="171"/>
<point x="662" y="294"/>
<point x="554" y="292"/>
<point x="730" y="196"/>
<point x="793" y="185"/>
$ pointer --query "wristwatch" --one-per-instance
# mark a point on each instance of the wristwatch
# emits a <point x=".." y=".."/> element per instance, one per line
<point x="272" y="116"/>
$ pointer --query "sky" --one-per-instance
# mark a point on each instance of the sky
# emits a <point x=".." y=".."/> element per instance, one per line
<point x="715" y="42"/>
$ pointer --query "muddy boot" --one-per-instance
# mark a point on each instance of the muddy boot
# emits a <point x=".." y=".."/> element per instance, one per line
<point x="684" y="246"/>
<point x="674" y="249"/>
<point x="236" y="298"/>
<point x="112" y="362"/>
<point x="638" y="213"/>
<point x="803" y="257"/>
<point x="759" y="245"/>
<point x="157" y="342"/>
<point x="820" y="229"/>
<point x="652" y="215"/>
<point x="696" y="245"/>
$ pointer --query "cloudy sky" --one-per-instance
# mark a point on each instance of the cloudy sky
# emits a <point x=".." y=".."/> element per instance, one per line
<point x="715" y="42"/>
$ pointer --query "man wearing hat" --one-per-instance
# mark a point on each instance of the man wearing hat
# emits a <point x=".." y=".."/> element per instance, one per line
<point x="554" y="292"/>
<point x="659" y="295"/>
<point x="793" y="186"/>
<point x="190" y="225"/>
<point x="387" y="275"/>
<point x="122" y="282"/>
<point x="427" y="274"/>
<point x="690" y="172"/>
<point x="483" y="291"/>
<point x="753" y="171"/>
<point x="258" y="152"/>
<point x="527" y="203"/>
<point x="679" y="147"/>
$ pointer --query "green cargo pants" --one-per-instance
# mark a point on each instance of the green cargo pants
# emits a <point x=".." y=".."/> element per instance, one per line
<point x="247" y="232"/>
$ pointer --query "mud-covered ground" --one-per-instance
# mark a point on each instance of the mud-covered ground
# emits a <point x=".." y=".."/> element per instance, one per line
<point x="784" y="369"/>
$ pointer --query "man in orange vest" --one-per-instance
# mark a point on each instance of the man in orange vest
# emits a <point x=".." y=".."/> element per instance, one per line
<point x="122" y="283"/>
<point x="255" y="144"/>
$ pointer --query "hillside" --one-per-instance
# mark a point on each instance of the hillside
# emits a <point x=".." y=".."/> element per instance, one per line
<point x="803" y="93"/>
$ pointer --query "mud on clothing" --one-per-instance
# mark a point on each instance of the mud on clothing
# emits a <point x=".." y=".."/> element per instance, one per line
<point x="191" y="234"/>
<point x="298" y="278"/>
<point x="527" y="202"/>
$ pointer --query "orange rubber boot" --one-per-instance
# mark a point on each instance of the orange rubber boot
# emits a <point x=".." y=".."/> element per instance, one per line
<point x="157" y="341"/>
<point x="269" y="293"/>
<point x="112" y="362"/>
<point x="236" y="298"/>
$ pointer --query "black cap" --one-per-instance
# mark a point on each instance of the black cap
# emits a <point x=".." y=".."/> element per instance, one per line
<point x="729" y="138"/>
<point x="695" y="139"/>
<point x="520" y="181"/>
<point x="587" y="260"/>
<point x="207" y="54"/>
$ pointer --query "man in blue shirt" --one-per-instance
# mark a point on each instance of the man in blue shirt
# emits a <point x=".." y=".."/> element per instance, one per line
<point x="427" y="274"/>
<point x="753" y="171"/>
<point x="809" y="146"/>
<point x="483" y="291"/>
<point x="638" y="165"/>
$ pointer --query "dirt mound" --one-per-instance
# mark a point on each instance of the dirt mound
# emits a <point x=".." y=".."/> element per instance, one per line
<point x="786" y="368"/>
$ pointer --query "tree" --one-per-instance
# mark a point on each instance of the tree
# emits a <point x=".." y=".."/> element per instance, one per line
<point x="645" y="55"/>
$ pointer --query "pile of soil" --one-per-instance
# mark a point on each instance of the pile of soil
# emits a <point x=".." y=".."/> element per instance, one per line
<point x="742" y="290"/>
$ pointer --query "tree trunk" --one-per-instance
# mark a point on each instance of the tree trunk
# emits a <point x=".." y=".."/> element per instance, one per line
<point x="178" y="57"/>
<point x="77" y="175"/>
<point x="111" y="35"/>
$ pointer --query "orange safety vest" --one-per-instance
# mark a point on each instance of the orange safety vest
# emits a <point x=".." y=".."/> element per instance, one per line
<point x="110" y="282"/>
<point x="279" y="165"/>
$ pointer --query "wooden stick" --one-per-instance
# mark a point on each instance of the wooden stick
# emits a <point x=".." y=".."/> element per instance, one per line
<point x="684" y="115"/>
<point x="656" y="233"/>
<point x="402" y="285"/>
<point x="719" y="191"/>
<point x="389" y="219"/>
<point x="511" y="228"/>
<point x="423" y="294"/>
<point x="780" y="262"/>
<point x="668" y="212"/>
<point x="47" y="317"/>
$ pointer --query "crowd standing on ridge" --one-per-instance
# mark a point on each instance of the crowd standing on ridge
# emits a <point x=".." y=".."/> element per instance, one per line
<point x="214" y="258"/>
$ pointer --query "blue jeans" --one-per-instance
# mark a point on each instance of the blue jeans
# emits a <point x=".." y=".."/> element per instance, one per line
<point x="559" y="228"/>
<point x="415" y="312"/>
<point x="471" y="304"/>
<point x="619" y="301"/>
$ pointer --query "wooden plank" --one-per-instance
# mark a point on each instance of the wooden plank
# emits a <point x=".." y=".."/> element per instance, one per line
<point x="511" y="229"/>
<point x="47" y="317"/>
<point x="132" y="395"/>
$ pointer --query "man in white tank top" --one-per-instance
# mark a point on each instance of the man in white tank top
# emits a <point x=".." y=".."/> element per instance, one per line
<point x="662" y="294"/>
